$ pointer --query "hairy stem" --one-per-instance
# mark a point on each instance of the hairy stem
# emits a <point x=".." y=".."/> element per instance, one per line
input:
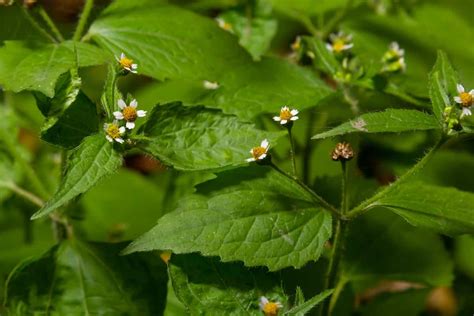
<point x="83" y="20"/>
<point x="292" y="152"/>
<point x="42" y="12"/>
<point x="27" y="195"/>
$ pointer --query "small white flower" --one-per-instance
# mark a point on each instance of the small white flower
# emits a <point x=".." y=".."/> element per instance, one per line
<point x="224" y="25"/>
<point x="396" y="50"/>
<point x="259" y="152"/>
<point x="210" y="85"/>
<point x="466" y="112"/>
<point x="466" y="99"/>
<point x="127" y="63"/>
<point x="286" y="115"/>
<point x="269" y="308"/>
<point x="114" y="132"/>
<point x="339" y="42"/>
<point x="128" y="113"/>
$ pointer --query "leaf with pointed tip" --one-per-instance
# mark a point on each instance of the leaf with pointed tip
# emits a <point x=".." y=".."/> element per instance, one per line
<point x="390" y="120"/>
<point x="303" y="308"/>
<point x="253" y="214"/>
<point x="196" y="138"/>
<point x="87" y="164"/>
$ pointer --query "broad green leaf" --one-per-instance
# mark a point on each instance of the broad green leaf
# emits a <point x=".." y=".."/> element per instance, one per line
<point x="87" y="164"/>
<point x="383" y="247"/>
<point x="303" y="308"/>
<point x="196" y="138"/>
<point x="254" y="25"/>
<point x="253" y="214"/>
<point x="37" y="68"/>
<point x="165" y="46"/>
<point x="74" y="278"/>
<point x="207" y="286"/>
<point x="445" y="210"/>
<point x="443" y="81"/>
<point x="311" y="7"/>
<point x="390" y="120"/>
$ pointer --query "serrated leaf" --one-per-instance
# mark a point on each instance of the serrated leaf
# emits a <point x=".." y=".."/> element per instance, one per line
<point x="75" y="278"/>
<point x="196" y="138"/>
<point x="445" y="210"/>
<point x="443" y="81"/>
<point x="37" y="68"/>
<point x="253" y="214"/>
<point x="390" y="120"/>
<point x="307" y="306"/>
<point x="87" y="164"/>
<point x="207" y="286"/>
<point x="159" y="38"/>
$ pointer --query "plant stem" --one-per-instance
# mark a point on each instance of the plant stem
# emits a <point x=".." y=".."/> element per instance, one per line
<point x="36" y="25"/>
<point x="336" y="19"/>
<point x="83" y="20"/>
<point x="292" y="152"/>
<point x="42" y="12"/>
<point x="371" y="202"/>
<point x="344" y="186"/>
<point x="27" y="195"/>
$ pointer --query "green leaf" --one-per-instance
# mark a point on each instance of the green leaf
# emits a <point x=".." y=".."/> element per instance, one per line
<point x="384" y="247"/>
<point x="407" y="303"/>
<point x="253" y="214"/>
<point x="207" y="286"/>
<point x="306" y="307"/>
<point x="87" y="164"/>
<point x="324" y="59"/>
<point x="464" y="255"/>
<point x="390" y="120"/>
<point x="75" y="278"/>
<point x="37" y="68"/>
<point x="443" y="81"/>
<point x="159" y="38"/>
<point x="196" y="138"/>
<point x="445" y="210"/>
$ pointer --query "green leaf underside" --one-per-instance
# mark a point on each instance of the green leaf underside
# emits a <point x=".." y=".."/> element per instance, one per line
<point x="196" y="138"/>
<point x="445" y="210"/>
<point x="207" y="286"/>
<point x="442" y="84"/>
<point x="384" y="246"/>
<point x="159" y="38"/>
<point x="87" y="279"/>
<point x="390" y="120"/>
<point x="38" y="68"/>
<point x="93" y="160"/>
<point x="307" y="306"/>
<point x="253" y="214"/>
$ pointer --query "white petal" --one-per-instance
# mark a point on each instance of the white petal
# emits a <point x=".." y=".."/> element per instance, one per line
<point x="134" y="103"/>
<point x="106" y="126"/>
<point x="122" y="56"/>
<point x="121" y="130"/>
<point x="250" y="159"/>
<point x="265" y="144"/>
<point x="119" y="140"/>
<point x="348" y="46"/>
<point x="466" y="112"/>
<point x="130" y="125"/>
<point x="262" y="156"/>
<point x="141" y="113"/>
<point x="294" y="118"/>
<point x="121" y="103"/>
<point x="263" y="302"/>
<point x="118" y="115"/>
<point x="277" y="118"/>
<point x="460" y="88"/>
<point x="471" y="92"/>
<point x="329" y="47"/>
<point x="458" y="100"/>
<point x="283" y="122"/>
<point x="251" y="151"/>
<point x="280" y="305"/>
<point x="110" y="139"/>
<point x="294" y="112"/>
<point x="134" y="66"/>
<point x="285" y="108"/>
<point x="133" y="71"/>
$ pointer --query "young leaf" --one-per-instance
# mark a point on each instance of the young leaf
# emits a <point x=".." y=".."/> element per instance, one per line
<point x="304" y="308"/>
<point x="390" y="120"/>
<point x="208" y="286"/>
<point x="445" y="210"/>
<point x="196" y="138"/>
<point x="74" y="278"/>
<point x="443" y="81"/>
<point x="87" y="164"/>
<point x="38" y="68"/>
<point x="253" y="214"/>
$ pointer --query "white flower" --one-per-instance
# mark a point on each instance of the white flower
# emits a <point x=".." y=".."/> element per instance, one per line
<point x="224" y="25"/>
<point x="128" y="113"/>
<point x="286" y="115"/>
<point x="210" y="85"/>
<point x="466" y="99"/>
<point x="127" y="63"/>
<point x="339" y="42"/>
<point x="396" y="50"/>
<point x="114" y="132"/>
<point x="269" y="308"/>
<point x="259" y="152"/>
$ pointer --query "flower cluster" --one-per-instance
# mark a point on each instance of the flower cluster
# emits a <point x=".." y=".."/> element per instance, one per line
<point x="128" y="114"/>
<point x="394" y="59"/>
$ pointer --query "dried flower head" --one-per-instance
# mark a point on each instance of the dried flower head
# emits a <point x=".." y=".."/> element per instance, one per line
<point x="342" y="152"/>
<point x="269" y="308"/>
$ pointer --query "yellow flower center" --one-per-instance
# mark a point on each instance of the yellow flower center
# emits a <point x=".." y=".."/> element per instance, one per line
<point x="258" y="151"/>
<point x="113" y="131"/>
<point x="165" y="256"/>
<point x="338" y="45"/>
<point x="296" y="44"/>
<point x="466" y="99"/>
<point x="271" y="309"/>
<point x="285" y="114"/>
<point x="129" y="113"/>
<point x="126" y="62"/>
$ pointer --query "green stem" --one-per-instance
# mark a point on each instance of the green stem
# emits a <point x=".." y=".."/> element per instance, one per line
<point x="314" y="195"/>
<point x="371" y="202"/>
<point x="337" y="292"/>
<point x="27" y="195"/>
<point x="337" y="19"/>
<point x="83" y="20"/>
<point x="292" y="152"/>
<point x="345" y="194"/>
<point x="42" y="12"/>
<point x="36" y="25"/>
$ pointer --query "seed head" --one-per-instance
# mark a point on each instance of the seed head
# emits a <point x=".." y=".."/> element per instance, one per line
<point x="342" y="152"/>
